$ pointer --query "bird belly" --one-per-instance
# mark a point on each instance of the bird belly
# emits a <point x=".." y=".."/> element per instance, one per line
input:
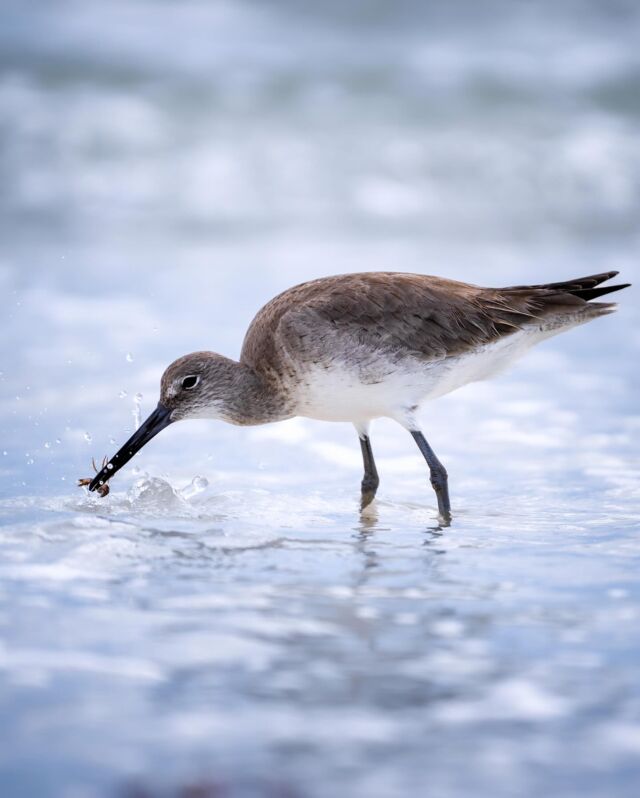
<point x="343" y="392"/>
<point x="490" y="359"/>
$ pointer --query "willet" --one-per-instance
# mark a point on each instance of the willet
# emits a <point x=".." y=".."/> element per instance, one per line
<point x="361" y="346"/>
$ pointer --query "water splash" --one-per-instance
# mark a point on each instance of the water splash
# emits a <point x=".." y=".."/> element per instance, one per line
<point x="137" y="416"/>
<point x="154" y="494"/>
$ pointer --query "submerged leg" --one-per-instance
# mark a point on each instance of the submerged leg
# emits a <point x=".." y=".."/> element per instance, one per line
<point x="370" y="480"/>
<point x="438" y="473"/>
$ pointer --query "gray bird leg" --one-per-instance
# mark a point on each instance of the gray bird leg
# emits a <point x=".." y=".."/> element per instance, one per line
<point x="438" y="474"/>
<point x="370" y="481"/>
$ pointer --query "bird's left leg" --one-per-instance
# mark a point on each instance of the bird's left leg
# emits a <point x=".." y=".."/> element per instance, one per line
<point x="437" y="472"/>
<point x="370" y="480"/>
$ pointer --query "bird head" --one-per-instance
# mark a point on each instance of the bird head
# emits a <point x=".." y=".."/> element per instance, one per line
<point x="198" y="385"/>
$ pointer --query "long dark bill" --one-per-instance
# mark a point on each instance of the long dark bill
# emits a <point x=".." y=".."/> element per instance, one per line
<point x="157" y="421"/>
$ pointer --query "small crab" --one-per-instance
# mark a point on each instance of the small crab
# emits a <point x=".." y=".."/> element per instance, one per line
<point x="103" y="490"/>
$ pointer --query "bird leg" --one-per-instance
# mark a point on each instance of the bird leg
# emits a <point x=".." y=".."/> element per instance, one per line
<point x="438" y="475"/>
<point x="370" y="481"/>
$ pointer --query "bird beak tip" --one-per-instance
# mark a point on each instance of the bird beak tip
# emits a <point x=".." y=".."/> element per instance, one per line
<point x="155" y="423"/>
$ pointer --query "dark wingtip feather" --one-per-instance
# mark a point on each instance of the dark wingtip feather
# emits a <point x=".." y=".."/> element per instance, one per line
<point x="594" y="293"/>
<point x="569" y="286"/>
<point x="590" y="281"/>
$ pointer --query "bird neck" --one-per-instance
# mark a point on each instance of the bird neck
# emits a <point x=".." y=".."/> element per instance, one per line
<point x="250" y="399"/>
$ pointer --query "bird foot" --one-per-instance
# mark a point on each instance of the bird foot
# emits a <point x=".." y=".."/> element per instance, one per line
<point x="366" y="499"/>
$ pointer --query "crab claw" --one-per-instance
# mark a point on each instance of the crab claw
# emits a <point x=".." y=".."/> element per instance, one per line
<point x="102" y="490"/>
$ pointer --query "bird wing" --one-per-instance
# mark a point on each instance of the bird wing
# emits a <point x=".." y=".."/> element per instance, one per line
<point x="360" y="316"/>
<point x="396" y="314"/>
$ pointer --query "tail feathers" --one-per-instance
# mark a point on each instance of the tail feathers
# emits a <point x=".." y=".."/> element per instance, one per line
<point x="556" y="306"/>
<point x="581" y="287"/>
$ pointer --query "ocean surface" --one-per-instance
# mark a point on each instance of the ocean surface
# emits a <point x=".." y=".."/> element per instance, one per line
<point x="225" y="623"/>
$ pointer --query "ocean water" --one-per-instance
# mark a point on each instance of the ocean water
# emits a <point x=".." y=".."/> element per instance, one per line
<point x="225" y="622"/>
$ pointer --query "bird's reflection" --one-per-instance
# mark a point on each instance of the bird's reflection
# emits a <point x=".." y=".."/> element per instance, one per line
<point x="365" y="531"/>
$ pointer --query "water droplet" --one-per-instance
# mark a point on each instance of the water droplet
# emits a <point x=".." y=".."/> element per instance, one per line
<point x="30" y="461"/>
<point x="122" y="394"/>
<point x="5" y="452"/>
<point x="47" y="445"/>
<point x="112" y="440"/>
<point x="58" y="440"/>
<point x="129" y="357"/>
<point x="109" y="466"/>
<point x="88" y="437"/>
<point x="197" y="485"/>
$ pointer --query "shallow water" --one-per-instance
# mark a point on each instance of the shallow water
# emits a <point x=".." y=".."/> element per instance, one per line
<point x="225" y="621"/>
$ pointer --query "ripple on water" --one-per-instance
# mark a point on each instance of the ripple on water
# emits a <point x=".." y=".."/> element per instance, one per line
<point x="289" y="615"/>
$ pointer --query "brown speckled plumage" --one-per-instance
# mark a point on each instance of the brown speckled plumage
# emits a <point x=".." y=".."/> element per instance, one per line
<point x="402" y="315"/>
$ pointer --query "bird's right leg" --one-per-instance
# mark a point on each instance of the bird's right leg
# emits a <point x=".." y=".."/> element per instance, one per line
<point x="370" y="480"/>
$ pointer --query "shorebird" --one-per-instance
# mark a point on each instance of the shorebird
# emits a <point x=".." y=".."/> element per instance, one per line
<point x="356" y="347"/>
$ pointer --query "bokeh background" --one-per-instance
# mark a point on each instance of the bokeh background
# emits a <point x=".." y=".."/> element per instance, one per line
<point x="225" y="621"/>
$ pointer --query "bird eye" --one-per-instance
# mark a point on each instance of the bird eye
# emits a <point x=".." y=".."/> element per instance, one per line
<point x="190" y="382"/>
